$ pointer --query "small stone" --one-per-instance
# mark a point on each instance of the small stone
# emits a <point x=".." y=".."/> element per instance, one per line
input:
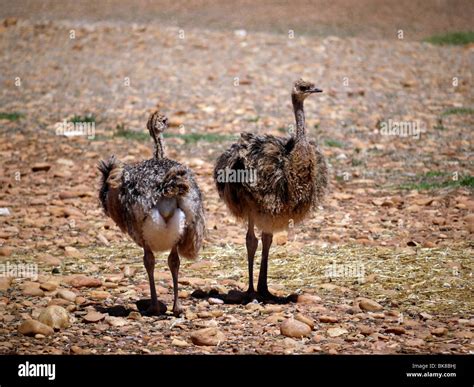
<point x="115" y="321"/>
<point x="369" y="305"/>
<point x="308" y="299"/>
<point x="88" y="282"/>
<point x="66" y="295"/>
<point x="49" y="286"/>
<point x="397" y="330"/>
<point x="59" y="301"/>
<point x="99" y="294"/>
<point x="5" y="251"/>
<point x="215" y="301"/>
<point x="135" y="316"/>
<point x="5" y="283"/>
<point x="270" y="308"/>
<point x="49" y="260"/>
<point x="179" y="343"/>
<point x="441" y="331"/>
<point x="294" y="328"/>
<point x="33" y="290"/>
<point x="93" y="317"/>
<point x="281" y="239"/>
<point x="41" y="167"/>
<point x="328" y="319"/>
<point x="55" y="316"/>
<point x="191" y="316"/>
<point x="73" y="252"/>
<point x="415" y="343"/>
<point x="365" y="329"/>
<point x="426" y="316"/>
<point x="217" y="313"/>
<point x="80" y="351"/>
<point x="33" y="327"/>
<point x="207" y="337"/>
<point x="305" y="319"/>
<point x="335" y="332"/>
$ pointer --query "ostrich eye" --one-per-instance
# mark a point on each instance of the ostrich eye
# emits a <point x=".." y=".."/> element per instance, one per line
<point x="304" y="88"/>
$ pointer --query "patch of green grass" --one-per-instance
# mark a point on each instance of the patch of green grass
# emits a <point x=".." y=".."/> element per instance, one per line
<point x="452" y="38"/>
<point x="356" y="162"/>
<point x="253" y="119"/>
<point x="121" y="131"/>
<point x="461" y="110"/>
<point x="333" y="143"/>
<point x="192" y="138"/>
<point x="283" y="129"/>
<point x="82" y="119"/>
<point x="189" y="138"/>
<point x="15" y="116"/>
<point x="437" y="180"/>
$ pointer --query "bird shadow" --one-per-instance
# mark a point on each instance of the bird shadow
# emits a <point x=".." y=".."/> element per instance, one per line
<point x="122" y="311"/>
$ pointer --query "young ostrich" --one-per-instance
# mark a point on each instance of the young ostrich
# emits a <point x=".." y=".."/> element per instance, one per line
<point x="158" y="203"/>
<point x="291" y="179"/>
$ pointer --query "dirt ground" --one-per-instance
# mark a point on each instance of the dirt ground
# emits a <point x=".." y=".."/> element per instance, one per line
<point x="384" y="266"/>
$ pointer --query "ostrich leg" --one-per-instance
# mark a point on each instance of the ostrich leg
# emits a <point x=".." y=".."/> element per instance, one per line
<point x="264" y="294"/>
<point x="155" y="307"/>
<point x="173" y="263"/>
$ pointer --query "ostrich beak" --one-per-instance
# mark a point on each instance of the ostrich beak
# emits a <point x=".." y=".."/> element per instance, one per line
<point x="315" y="90"/>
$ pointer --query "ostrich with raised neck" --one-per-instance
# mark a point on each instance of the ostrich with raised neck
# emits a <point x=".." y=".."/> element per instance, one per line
<point x="158" y="203"/>
<point x="292" y="177"/>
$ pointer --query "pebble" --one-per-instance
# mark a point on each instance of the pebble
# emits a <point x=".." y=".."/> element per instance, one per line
<point x="294" y="328"/>
<point x="115" y="321"/>
<point x="66" y="295"/>
<point x="33" y="327"/>
<point x="369" y="305"/>
<point x="93" y="317"/>
<point x="5" y="283"/>
<point x="49" y="286"/>
<point x="207" y="337"/>
<point x="328" y="319"/>
<point x="305" y="319"/>
<point x="72" y="252"/>
<point x="439" y="331"/>
<point x="83" y="281"/>
<point x="33" y="290"/>
<point x="179" y="343"/>
<point x="308" y="299"/>
<point x="99" y="294"/>
<point x="55" y="316"/>
<point x="335" y="332"/>
<point x="5" y="251"/>
<point x="397" y="330"/>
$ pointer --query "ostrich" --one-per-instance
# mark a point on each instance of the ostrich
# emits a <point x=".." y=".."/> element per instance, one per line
<point x="158" y="203"/>
<point x="291" y="180"/>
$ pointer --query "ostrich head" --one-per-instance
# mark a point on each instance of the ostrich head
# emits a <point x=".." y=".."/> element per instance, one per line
<point x="302" y="89"/>
<point x="157" y="124"/>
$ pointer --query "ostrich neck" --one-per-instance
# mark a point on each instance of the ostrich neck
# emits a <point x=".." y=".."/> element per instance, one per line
<point x="159" y="151"/>
<point x="299" y="117"/>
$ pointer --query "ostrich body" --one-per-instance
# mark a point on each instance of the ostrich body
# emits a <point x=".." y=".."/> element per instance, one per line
<point x="291" y="180"/>
<point x="158" y="203"/>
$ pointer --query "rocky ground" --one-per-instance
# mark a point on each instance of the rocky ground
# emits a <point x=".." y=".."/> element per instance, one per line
<point x="398" y="220"/>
